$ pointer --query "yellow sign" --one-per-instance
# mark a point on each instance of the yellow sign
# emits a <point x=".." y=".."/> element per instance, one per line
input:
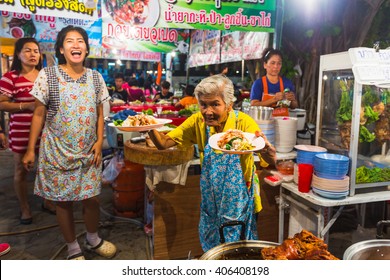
<point x="85" y="9"/>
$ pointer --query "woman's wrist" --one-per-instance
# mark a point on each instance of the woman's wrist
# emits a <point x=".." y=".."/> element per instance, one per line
<point x="21" y="106"/>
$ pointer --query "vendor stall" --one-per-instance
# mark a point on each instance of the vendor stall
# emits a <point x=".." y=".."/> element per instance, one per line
<point x="353" y="118"/>
<point x="357" y="82"/>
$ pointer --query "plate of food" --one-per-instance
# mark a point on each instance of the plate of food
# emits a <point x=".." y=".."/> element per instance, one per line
<point x="235" y="141"/>
<point x="111" y="42"/>
<point x="139" y="123"/>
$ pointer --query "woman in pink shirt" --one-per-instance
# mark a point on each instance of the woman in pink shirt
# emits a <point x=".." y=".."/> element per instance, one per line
<point x="135" y="92"/>
<point x="15" y="98"/>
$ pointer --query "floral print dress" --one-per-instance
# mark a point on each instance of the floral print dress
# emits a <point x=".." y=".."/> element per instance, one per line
<point x="65" y="172"/>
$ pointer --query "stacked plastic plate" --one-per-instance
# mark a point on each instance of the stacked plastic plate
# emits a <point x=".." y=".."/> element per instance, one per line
<point x="268" y="128"/>
<point x="285" y="134"/>
<point x="331" y="166"/>
<point x="329" y="188"/>
<point x="306" y="153"/>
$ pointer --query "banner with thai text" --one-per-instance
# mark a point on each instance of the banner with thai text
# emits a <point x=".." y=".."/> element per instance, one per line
<point x="82" y="9"/>
<point x="46" y="28"/>
<point x="236" y="46"/>
<point x="204" y="47"/>
<point x="253" y="45"/>
<point x="214" y="46"/>
<point x="118" y="34"/>
<point x="131" y="55"/>
<point x="237" y="15"/>
<point x="231" y="46"/>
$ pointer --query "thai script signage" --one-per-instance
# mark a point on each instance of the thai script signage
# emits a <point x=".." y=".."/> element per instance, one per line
<point x="56" y="8"/>
<point x="238" y="15"/>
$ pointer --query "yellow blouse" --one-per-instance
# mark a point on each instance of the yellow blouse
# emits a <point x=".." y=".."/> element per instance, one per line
<point x="193" y="131"/>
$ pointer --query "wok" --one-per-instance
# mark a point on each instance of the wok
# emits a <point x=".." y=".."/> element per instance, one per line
<point x="239" y="250"/>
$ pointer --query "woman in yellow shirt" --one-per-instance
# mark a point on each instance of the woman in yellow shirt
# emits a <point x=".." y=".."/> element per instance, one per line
<point x="230" y="191"/>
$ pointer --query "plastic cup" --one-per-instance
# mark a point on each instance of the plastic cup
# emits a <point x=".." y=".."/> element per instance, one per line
<point x="159" y="110"/>
<point x="305" y="174"/>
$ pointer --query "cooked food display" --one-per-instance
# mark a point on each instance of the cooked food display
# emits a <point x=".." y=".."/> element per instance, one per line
<point x="303" y="246"/>
<point x="164" y="102"/>
<point x="138" y="120"/>
<point x="137" y="102"/>
<point x="117" y="102"/>
<point x="235" y="140"/>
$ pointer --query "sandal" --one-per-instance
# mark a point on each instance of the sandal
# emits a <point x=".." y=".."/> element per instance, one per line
<point x="4" y="248"/>
<point x="26" y="221"/>
<point x="76" y="257"/>
<point x="104" y="248"/>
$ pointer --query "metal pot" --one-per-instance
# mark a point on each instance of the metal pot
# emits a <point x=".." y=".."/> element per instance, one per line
<point x="376" y="249"/>
<point x="240" y="250"/>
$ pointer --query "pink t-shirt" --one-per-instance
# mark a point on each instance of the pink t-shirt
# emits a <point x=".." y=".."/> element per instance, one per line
<point x="18" y="88"/>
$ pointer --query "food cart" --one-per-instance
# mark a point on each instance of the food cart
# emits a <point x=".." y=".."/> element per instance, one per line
<point x="353" y="118"/>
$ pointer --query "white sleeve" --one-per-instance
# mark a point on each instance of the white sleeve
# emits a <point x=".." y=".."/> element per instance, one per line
<point x="40" y="89"/>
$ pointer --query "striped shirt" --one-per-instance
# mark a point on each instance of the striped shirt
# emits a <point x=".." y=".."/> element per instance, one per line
<point x="18" y="88"/>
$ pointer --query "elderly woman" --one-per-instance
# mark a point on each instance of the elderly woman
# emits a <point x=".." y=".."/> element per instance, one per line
<point x="229" y="186"/>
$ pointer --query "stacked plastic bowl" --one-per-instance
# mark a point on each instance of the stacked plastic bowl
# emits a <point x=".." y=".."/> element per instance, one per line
<point x="306" y="153"/>
<point x="331" y="166"/>
<point x="285" y="134"/>
<point x="330" y="178"/>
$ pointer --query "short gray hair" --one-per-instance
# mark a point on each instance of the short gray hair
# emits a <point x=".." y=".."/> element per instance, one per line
<point x="216" y="85"/>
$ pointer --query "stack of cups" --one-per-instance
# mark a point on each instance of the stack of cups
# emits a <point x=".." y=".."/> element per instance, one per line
<point x="285" y="134"/>
<point x="268" y="128"/>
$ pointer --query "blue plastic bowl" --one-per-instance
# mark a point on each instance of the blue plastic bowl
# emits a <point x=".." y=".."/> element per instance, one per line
<point x="331" y="166"/>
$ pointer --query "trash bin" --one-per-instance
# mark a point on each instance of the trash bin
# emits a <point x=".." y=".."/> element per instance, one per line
<point x="307" y="136"/>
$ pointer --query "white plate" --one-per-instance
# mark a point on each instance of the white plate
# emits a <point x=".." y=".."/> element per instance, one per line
<point x="154" y="14"/>
<point x="149" y="17"/>
<point x="310" y="148"/>
<point x="161" y="122"/>
<point x="258" y="142"/>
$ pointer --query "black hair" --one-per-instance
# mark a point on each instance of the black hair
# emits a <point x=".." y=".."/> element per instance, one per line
<point x="148" y="84"/>
<point x="269" y="52"/>
<point x="16" y="62"/>
<point x="166" y="84"/>
<point x="133" y="82"/>
<point x="61" y="38"/>
<point x="119" y="76"/>
<point x="189" y="90"/>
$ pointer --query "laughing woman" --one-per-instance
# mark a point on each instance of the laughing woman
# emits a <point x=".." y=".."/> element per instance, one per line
<point x="70" y="97"/>
<point x="229" y="185"/>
